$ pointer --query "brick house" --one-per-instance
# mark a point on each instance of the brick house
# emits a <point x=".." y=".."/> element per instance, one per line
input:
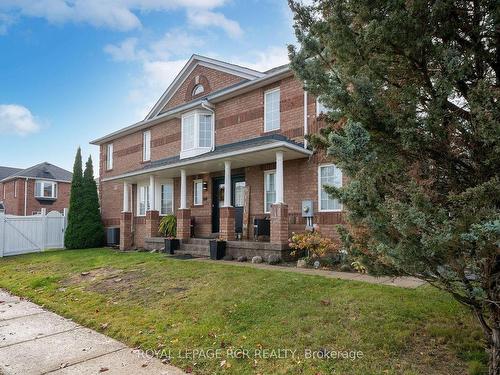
<point x="25" y="192"/>
<point x="222" y="147"/>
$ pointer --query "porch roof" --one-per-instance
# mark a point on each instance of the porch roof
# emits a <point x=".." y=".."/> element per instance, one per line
<point x="254" y="151"/>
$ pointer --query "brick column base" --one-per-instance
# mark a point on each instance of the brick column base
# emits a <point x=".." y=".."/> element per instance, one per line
<point x="152" y="223"/>
<point x="227" y="224"/>
<point x="279" y="223"/>
<point x="126" y="231"/>
<point x="183" y="223"/>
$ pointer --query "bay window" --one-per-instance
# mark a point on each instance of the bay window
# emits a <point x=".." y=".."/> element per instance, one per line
<point x="328" y="175"/>
<point x="197" y="133"/>
<point x="46" y="189"/>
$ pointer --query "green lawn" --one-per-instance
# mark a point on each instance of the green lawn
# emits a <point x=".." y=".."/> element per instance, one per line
<point x="154" y="302"/>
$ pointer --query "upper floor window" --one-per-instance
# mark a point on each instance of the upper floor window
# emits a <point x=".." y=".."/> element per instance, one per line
<point x="320" y="107"/>
<point x="146" y="145"/>
<point x="46" y="189"/>
<point x="197" y="133"/>
<point x="328" y="175"/>
<point x="272" y="110"/>
<point x="109" y="156"/>
<point x="198" y="89"/>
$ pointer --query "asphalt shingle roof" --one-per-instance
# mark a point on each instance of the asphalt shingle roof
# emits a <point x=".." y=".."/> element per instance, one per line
<point x="7" y="171"/>
<point x="43" y="171"/>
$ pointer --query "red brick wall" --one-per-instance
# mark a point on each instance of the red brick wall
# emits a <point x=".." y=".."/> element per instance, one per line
<point x="14" y="202"/>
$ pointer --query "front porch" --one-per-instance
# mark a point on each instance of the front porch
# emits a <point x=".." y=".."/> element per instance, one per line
<point x="210" y="197"/>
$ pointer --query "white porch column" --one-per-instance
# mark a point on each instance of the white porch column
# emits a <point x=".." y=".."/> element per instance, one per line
<point x="227" y="183"/>
<point x="152" y="193"/>
<point x="183" y="190"/>
<point x="279" y="177"/>
<point x="126" y="199"/>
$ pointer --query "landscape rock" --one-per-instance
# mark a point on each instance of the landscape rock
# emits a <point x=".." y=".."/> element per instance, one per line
<point x="273" y="259"/>
<point x="257" y="259"/>
<point x="301" y="263"/>
<point x="242" y="258"/>
<point x="316" y="264"/>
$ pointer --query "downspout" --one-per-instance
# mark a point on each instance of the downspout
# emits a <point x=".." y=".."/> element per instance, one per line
<point x="25" y="196"/>
<point x="306" y="128"/>
<point x="204" y="105"/>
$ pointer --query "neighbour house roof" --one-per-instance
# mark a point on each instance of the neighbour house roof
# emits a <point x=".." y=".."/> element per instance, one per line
<point x="252" y="80"/>
<point x="7" y="171"/>
<point x="246" y="146"/>
<point x="44" y="171"/>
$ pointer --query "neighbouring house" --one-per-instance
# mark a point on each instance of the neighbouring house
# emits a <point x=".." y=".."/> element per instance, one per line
<point x="224" y="150"/>
<point x="25" y="192"/>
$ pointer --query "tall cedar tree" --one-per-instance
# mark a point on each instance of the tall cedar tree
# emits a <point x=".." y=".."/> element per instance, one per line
<point x="72" y="237"/>
<point x="414" y="92"/>
<point x="92" y="227"/>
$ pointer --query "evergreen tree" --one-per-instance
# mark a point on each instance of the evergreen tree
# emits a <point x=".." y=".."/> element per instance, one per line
<point x="72" y="236"/>
<point x="92" y="227"/>
<point x="413" y="88"/>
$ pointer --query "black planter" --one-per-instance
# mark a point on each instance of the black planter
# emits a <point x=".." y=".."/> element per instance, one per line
<point x="217" y="249"/>
<point x="171" y="245"/>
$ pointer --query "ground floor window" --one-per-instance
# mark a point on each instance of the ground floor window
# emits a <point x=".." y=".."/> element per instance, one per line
<point x="46" y="189"/>
<point x="332" y="176"/>
<point x="142" y="199"/>
<point x="166" y="199"/>
<point x="198" y="192"/>
<point x="269" y="190"/>
<point x="239" y="194"/>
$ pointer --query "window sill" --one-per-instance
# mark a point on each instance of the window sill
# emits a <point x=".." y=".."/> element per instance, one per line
<point x="46" y="199"/>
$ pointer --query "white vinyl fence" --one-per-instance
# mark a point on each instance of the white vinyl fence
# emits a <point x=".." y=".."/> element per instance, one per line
<point x="29" y="234"/>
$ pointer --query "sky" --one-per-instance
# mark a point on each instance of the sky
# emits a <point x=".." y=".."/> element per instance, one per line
<point x="74" y="70"/>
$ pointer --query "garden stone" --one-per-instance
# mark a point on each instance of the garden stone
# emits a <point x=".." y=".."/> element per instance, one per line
<point x="316" y="264"/>
<point x="228" y="257"/>
<point x="273" y="259"/>
<point x="257" y="259"/>
<point x="301" y="263"/>
<point x="242" y="259"/>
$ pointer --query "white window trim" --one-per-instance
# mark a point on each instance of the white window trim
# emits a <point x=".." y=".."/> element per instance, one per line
<point x="109" y="156"/>
<point x="318" y="104"/>
<point x="266" y="173"/>
<point x="265" y="110"/>
<point x="320" y="187"/>
<point x="138" y="199"/>
<point x="198" y="181"/>
<point x="43" y="182"/>
<point x="146" y="145"/>
<point x="158" y="186"/>
<point x="196" y="150"/>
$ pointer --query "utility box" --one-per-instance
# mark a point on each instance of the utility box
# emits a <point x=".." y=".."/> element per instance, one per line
<point x="307" y="208"/>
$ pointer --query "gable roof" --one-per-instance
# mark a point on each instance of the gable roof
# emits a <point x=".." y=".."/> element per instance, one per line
<point x="44" y="171"/>
<point x="7" y="171"/>
<point x="193" y="62"/>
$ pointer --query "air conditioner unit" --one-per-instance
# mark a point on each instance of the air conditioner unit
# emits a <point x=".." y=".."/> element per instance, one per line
<point x="112" y="236"/>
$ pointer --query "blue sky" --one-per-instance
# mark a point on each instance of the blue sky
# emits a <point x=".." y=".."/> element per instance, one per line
<point x="74" y="70"/>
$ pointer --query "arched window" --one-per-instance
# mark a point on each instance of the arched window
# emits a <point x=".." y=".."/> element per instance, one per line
<point x="198" y="89"/>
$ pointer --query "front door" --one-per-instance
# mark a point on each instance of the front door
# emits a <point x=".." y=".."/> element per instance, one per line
<point x="237" y="200"/>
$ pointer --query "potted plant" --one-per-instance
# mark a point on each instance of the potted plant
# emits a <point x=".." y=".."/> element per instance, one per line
<point x="168" y="227"/>
<point x="217" y="249"/>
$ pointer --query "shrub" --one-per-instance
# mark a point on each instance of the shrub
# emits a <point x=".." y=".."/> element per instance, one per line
<point x="313" y="244"/>
<point x="168" y="226"/>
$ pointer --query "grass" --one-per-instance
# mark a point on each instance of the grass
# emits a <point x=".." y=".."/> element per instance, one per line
<point x="174" y="306"/>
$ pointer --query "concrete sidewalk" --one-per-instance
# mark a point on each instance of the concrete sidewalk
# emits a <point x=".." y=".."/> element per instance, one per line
<point x="34" y="341"/>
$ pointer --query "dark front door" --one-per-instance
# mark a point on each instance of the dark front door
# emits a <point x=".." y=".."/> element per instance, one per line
<point x="237" y="200"/>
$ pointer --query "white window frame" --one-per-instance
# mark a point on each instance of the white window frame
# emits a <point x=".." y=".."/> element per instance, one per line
<point x="139" y="194"/>
<point x="320" y="107"/>
<point x="195" y="89"/>
<point x="197" y="202"/>
<point x="266" y="93"/>
<point x="196" y="149"/>
<point x="109" y="156"/>
<point x="42" y="189"/>
<point x="158" y="202"/>
<point x="266" y="173"/>
<point x="320" y="188"/>
<point x="146" y="145"/>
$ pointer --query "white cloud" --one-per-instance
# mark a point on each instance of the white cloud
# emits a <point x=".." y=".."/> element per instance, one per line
<point x="115" y="14"/>
<point x="17" y="119"/>
<point x="263" y="60"/>
<point x="124" y="51"/>
<point x="206" y="18"/>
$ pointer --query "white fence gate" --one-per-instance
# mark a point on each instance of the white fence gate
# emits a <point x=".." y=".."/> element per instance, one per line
<point x="29" y="234"/>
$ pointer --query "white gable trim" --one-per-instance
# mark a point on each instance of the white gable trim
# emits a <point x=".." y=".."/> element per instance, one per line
<point x="192" y="63"/>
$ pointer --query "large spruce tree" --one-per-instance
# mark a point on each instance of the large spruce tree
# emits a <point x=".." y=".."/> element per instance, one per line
<point x="413" y="88"/>
<point x="72" y="236"/>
